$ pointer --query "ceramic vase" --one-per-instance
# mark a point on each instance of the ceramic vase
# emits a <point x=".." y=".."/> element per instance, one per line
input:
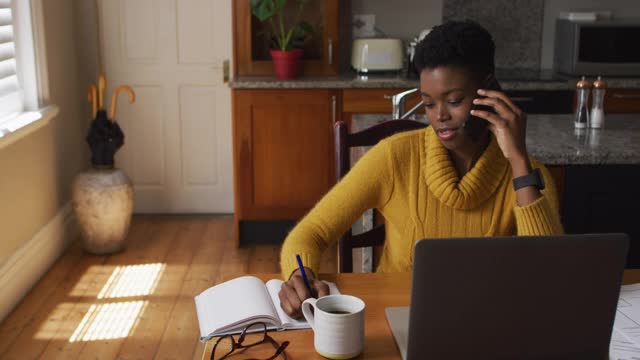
<point x="102" y="201"/>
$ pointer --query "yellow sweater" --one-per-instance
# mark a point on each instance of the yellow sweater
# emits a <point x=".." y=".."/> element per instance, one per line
<point x="411" y="180"/>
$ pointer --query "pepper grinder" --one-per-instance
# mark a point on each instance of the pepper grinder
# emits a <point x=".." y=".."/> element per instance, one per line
<point x="581" y="117"/>
<point x="597" y="109"/>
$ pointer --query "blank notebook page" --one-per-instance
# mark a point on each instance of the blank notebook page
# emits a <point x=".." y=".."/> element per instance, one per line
<point x="234" y="300"/>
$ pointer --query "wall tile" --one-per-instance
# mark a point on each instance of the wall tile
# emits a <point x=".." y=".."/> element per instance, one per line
<point x="516" y="27"/>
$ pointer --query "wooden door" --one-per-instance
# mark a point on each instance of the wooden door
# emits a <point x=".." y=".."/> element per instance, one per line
<point x="283" y="151"/>
<point x="178" y="133"/>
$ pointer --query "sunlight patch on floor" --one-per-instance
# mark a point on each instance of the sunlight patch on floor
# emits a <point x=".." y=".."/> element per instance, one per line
<point x="132" y="280"/>
<point x="101" y="317"/>
<point x="108" y="321"/>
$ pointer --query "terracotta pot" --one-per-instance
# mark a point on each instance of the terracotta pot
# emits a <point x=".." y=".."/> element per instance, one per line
<point x="103" y="203"/>
<point x="287" y="64"/>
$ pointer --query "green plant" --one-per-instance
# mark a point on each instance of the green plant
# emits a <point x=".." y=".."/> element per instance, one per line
<point x="285" y="36"/>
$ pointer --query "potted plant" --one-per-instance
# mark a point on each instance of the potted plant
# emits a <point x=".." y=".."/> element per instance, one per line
<point x="285" y="35"/>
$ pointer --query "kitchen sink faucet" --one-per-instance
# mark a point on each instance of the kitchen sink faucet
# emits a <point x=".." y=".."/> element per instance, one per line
<point x="399" y="105"/>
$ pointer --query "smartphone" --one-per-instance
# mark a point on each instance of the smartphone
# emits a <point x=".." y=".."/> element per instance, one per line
<point x="475" y="126"/>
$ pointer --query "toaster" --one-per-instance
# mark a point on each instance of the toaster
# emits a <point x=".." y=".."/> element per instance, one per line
<point x="369" y="55"/>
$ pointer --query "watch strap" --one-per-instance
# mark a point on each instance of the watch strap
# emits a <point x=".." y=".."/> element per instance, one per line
<point x="534" y="178"/>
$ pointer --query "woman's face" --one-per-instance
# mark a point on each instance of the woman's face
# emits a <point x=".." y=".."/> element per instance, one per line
<point x="448" y="93"/>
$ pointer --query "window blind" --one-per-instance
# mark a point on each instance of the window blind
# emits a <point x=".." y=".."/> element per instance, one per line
<point x="10" y="92"/>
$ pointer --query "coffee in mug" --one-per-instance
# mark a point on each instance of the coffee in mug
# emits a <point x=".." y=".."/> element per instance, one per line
<point x="338" y="325"/>
<point x="338" y="312"/>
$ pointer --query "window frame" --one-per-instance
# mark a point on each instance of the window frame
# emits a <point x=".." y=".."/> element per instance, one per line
<point x="31" y="62"/>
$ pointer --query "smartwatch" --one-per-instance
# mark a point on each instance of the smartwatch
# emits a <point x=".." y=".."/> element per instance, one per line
<point x="533" y="179"/>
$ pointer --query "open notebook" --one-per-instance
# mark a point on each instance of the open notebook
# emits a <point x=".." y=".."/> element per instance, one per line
<point x="228" y="307"/>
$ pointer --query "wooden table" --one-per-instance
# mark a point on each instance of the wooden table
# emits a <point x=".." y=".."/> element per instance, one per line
<point x="378" y="291"/>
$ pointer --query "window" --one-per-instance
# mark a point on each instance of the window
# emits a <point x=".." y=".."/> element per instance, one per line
<point x="23" y="87"/>
<point x="10" y="93"/>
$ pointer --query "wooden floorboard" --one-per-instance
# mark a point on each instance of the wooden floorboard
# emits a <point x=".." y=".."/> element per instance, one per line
<point x="83" y="298"/>
<point x="143" y="342"/>
<point x="181" y="330"/>
<point x="75" y="310"/>
<point x="24" y="314"/>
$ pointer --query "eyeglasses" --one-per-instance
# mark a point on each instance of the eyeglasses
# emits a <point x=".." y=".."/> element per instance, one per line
<point x="259" y="336"/>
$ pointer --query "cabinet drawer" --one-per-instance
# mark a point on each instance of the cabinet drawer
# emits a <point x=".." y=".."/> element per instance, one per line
<point x="543" y="101"/>
<point x="374" y="101"/>
<point x="378" y="101"/>
<point x="622" y="101"/>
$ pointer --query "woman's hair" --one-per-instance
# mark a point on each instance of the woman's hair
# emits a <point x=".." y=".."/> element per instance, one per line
<point x="460" y="43"/>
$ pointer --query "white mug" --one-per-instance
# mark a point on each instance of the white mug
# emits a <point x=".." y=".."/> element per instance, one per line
<point x="338" y="325"/>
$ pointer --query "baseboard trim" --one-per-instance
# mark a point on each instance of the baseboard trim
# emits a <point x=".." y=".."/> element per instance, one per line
<point x="30" y="262"/>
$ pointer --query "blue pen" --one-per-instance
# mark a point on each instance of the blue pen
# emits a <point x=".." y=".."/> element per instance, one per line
<point x="304" y="274"/>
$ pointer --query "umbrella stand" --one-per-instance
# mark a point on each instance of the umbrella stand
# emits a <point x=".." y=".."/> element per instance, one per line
<point x="102" y="196"/>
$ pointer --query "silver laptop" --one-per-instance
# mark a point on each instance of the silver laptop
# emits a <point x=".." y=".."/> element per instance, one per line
<point x="546" y="297"/>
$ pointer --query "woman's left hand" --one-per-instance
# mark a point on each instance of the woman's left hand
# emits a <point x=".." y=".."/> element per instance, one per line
<point x="508" y="124"/>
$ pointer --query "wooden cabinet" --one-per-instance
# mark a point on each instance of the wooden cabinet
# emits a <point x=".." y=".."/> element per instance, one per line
<point x="374" y="101"/>
<point x="543" y="101"/>
<point x="251" y="45"/>
<point x="283" y="153"/>
<point x="557" y="173"/>
<point x="604" y="199"/>
<point x="622" y="101"/>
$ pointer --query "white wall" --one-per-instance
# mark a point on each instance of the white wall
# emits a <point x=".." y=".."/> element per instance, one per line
<point x="403" y="19"/>
<point x="36" y="171"/>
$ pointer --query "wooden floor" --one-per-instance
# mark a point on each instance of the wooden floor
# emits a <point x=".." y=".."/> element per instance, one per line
<point x="137" y="304"/>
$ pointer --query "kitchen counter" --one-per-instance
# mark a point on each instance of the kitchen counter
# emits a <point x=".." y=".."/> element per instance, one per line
<point x="509" y="80"/>
<point x="553" y="140"/>
<point x="352" y="81"/>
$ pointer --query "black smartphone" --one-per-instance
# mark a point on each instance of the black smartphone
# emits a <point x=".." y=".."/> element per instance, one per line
<point x="475" y="126"/>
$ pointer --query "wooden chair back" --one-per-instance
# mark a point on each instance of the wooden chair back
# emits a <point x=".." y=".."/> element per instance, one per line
<point x="344" y="141"/>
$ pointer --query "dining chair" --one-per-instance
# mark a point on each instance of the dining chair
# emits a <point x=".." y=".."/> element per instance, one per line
<point x="344" y="141"/>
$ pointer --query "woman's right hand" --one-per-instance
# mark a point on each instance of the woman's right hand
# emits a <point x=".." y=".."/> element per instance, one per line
<point x="293" y="292"/>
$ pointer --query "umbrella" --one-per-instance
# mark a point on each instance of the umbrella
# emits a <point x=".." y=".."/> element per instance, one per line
<point x="105" y="136"/>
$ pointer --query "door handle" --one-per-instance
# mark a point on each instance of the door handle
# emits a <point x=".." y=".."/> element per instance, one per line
<point x="333" y="108"/>
<point x="523" y="98"/>
<point x="225" y="71"/>
<point x="330" y="51"/>
<point x="626" y="96"/>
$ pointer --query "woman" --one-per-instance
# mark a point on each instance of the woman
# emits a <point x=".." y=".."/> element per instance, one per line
<point x="453" y="179"/>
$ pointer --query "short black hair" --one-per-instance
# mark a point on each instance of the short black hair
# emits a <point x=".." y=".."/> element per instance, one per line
<point x="461" y="43"/>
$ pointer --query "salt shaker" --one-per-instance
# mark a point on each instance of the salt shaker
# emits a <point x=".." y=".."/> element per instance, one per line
<point x="597" y="109"/>
<point x="581" y="117"/>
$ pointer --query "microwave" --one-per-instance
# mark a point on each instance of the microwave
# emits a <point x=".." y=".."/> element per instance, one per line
<point x="607" y="47"/>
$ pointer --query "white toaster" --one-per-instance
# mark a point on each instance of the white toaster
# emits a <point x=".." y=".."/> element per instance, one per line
<point x="377" y="55"/>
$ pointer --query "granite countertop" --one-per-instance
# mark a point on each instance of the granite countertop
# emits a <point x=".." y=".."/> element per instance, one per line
<point x="510" y="79"/>
<point x="553" y="140"/>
